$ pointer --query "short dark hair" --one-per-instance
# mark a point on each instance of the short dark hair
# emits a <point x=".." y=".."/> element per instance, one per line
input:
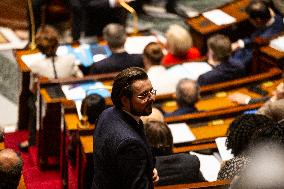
<point x="115" y="35"/>
<point x="10" y="169"/>
<point x="154" y="53"/>
<point x="159" y="137"/>
<point x="258" y="9"/>
<point x="122" y="85"/>
<point x="241" y="130"/>
<point x="47" y="40"/>
<point x="221" y="46"/>
<point x="187" y="92"/>
<point x="92" y="106"/>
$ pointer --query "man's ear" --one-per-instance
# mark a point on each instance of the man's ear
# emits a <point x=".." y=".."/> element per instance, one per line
<point x="125" y="102"/>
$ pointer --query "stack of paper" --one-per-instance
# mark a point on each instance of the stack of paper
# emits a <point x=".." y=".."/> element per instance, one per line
<point x="219" y="17"/>
<point x="136" y="45"/>
<point x="278" y="43"/>
<point x="190" y="70"/>
<point x="221" y="145"/>
<point x="209" y="166"/>
<point x="80" y="91"/>
<point x="181" y="133"/>
<point x="9" y="40"/>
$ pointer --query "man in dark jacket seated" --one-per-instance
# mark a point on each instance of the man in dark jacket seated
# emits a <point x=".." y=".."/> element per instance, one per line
<point x="219" y="57"/>
<point x="267" y="24"/>
<point x="187" y="94"/>
<point x="115" y="36"/>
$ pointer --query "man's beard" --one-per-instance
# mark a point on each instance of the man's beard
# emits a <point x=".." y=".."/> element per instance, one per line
<point x="145" y="112"/>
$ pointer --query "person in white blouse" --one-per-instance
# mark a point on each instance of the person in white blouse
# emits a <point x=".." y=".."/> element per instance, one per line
<point x="52" y="66"/>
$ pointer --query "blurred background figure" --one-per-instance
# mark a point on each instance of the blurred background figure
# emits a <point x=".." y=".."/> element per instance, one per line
<point x="10" y="169"/>
<point x="172" y="168"/>
<point x="265" y="170"/>
<point x="239" y="138"/>
<point x="179" y="46"/>
<point x="92" y="106"/>
<point x="115" y="36"/>
<point x="52" y="66"/>
<point x="219" y="57"/>
<point x="187" y="94"/>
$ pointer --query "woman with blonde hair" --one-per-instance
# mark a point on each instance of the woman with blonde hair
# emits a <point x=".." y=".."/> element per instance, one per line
<point x="179" y="45"/>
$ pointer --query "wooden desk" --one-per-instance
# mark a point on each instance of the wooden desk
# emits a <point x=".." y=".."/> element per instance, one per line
<point x="219" y="184"/>
<point x="201" y="28"/>
<point x="220" y="99"/>
<point x="272" y="56"/>
<point x="50" y="116"/>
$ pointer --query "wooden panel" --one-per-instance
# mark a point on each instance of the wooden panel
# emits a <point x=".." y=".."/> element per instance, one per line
<point x="13" y="14"/>
<point x="220" y="184"/>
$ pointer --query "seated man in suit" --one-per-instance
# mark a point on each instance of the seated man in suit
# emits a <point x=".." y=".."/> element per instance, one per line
<point x="187" y="94"/>
<point x="172" y="168"/>
<point x="219" y="57"/>
<point x="267" y="25"/>
<point x="115" y="36"/>
<point x="10" y="169"/>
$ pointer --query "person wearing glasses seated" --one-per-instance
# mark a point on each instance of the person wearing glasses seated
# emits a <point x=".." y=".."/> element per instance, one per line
<point x="172" y="168"/>
<point x="187" y="94"/>
<point x="122" y="156"/>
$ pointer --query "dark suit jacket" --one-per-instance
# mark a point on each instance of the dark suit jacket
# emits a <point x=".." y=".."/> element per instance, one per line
<point x="122" y="157"/>
<point x="99" y="13"/>
<point x="225" y="71"/>
<point x="245" y="55"/>
<point x="178" y="169"/>
<point x="181" y="111"/>
<point x="117" y="62"/>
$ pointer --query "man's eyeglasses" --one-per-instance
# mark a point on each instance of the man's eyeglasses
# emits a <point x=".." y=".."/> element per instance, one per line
<point x="147" y="94"/>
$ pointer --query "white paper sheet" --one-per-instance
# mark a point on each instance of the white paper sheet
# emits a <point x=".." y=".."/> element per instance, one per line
<point x="278" y="43"/>
<point x="136" y="45"/>
<point x="221" y="145"/>
<point x="14" y="41"/>
<point x="219" y="17"/>
<point x="181" y="133"/>
<point x="209" y="166"/>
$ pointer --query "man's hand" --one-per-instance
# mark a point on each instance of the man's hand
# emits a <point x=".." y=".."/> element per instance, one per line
<point x="239" y="98"/>
<point x="155" y="175"/>
<point x="235" y="46"/>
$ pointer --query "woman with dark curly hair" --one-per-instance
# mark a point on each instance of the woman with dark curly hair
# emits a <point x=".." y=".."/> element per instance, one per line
<point x="239" y="137"/>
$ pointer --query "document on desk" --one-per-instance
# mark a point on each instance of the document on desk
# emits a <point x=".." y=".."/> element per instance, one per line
<point x="181" y="133"/>
<point x="81" y="90"/>
<point x="10" y="40"/>
<point x="277" y="43"/>
<point x="190" y="70"/>
<point x="136" y="44"/>
<point x="209" y="166"/>
<point x="219" y="17"/>
<point x="221" y="145"/>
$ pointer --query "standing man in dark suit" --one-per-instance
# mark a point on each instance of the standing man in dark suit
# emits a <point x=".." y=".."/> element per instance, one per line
<point x="93" y="15"/>
<point x="219" y="57"/>
<point x="122" y="156"/>
<point x="115" y="36"/>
